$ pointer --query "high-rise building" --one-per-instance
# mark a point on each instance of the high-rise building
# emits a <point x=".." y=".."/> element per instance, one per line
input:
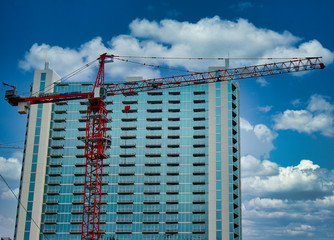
<point x="173" y="170"/>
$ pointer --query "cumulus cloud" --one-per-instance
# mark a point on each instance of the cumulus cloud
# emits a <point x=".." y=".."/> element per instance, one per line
<point x="256" y="140"/>
<point x="209" y="37"/>
<point x="304" y="181"/>
<point x="317" y="117"/>
<point x="252" y="166"/>
<point x="284" y="202"/>
<point x="10" y="168"/>
<point x="7" y="194"/>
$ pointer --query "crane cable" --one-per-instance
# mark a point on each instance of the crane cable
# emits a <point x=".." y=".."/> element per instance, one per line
<point x="206" y="58"/>
<point x="65" y="78"/>
<point x="154" y="66"/>
<point x="28" y="213"/>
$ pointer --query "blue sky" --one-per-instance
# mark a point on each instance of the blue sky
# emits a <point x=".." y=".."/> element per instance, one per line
<point x="287" y="121"/>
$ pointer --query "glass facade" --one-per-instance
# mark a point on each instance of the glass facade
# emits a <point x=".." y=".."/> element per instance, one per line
<point x="155" y="181"/>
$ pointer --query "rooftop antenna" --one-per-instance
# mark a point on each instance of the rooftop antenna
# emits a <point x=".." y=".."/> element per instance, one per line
<point x="46" y="63"/>
<point x="227" y="61"/>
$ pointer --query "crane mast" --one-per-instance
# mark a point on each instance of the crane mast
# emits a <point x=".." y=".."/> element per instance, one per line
<point x="96" y="139"/>
<point x="96" y="145"/>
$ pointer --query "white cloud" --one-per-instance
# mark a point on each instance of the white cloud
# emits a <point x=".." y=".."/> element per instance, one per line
<point x="8" y="195"/>
<point x="6" y="226"/>
<point x="209" y="37"/>
<point x="245" y="125"/>
<point x="304" y="181"/>
<point x="10" y="168"/>
<point x="318" y="117"/>
<point x="256" y="140"/>
<point x="265" y="108"/>
<point x="263" y="82"/>
<point x="252" y="166"/>
<point x="295" y="201"/>
<point x="264" y="134"/>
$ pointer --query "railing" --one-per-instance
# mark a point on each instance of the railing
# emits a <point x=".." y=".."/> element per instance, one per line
<point x="49" y="229"/>
<point x="53" y="191"/>
<point x="52" y="200"/>
<point x="151" y="209"/>
<point x="172" y="218"/>
<point x="124" y="209"/>
<point x="54" y="181"/>
<point x="50" y="219"/>
<point x="51" y="210"/>
<point x="55" y="162"/>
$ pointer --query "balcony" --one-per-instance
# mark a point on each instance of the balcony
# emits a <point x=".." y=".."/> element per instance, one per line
<point x="54" y="182"/>
<point x="52" y="191"/>
<point x="199" y="191"/>
<point x="58" y="135"/>
<point x="55" y="171"/>
<point x="76" y="210"/>
<point x="58" y="126"/>
<point x="199" y="180"/>
<point x="80" y="162"/>
<point x="51" y="210"/>
<point x="172" y="219"/>
<point x="55" y="162"/>
<point x="49" y="229"/>
<point x="79" y="181"/>
<point x="150" y="219"/>
<point x="199" y="200"/>
<point x="121" y="229"/>
<point x="149" y="229"/>
<point x="128" y="171"/>
<point x="151" y="200"/>
<point x="152" y="162"/>
<point x="56" y="153"/>
<point x="199" y="162"/>
<point x="59" y="118"/>
<point x="152" y="181"/>
<point x="126" y="181"/>
<point x="79" y="172"/>
<point x="75" y="230"/>
<point x="152" y="171"/>
<point x="76" y="220"/>
<point x="125" y="200"/>
<point x="172" y="180"/>
<point x="198" y="209"/>
<point x="172" y="209"/>
<point x="80" y="153"/>
<point x="151" y="190"/>
<point x="172" y="190"/>
<point x="173" y="162"/>
<point x="199" y="172"/>
<point x="50" y="219"/>
<point x="172" y="200"/>
<point x="124" y="219"/>
<point x="78" y="191"/>
<point x="124" y="190"/>
<point x="151" y="209"/>
<point x="171" y="229"/>
<point x="77" y="200"/>
<point x="172" y="171"/>
<point x="198" y="229"/>
<point x="126" y="209"/>
<point x="198" y="218"/>
<point x="51" y="200"/>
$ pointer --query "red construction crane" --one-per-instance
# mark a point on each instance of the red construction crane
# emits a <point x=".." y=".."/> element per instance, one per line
<point x="96" y="140"/>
